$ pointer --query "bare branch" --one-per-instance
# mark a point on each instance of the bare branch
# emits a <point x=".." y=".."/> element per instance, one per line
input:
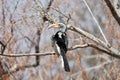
<point x="88" y="45"/>
<point x="27" y="54"/>
<point x="60" y="12"/>
<point x="53" y="53"/>
<point x="3" y="46"/>
<point x="37" y="46"/>
<point x="7" y="69"/>
<point x="112" y="9"/>
<point x="49" y="5"/>
<point x="11" y="16"/>
<point x="44" y="14"/>
<point x="3" y="12"/>
<point x="112" y="51"/>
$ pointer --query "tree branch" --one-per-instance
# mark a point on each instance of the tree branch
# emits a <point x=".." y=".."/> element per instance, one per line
<point x="112" y="9"/>
<point x="44" y="14"/>
<point x="53" y="53"/>
<point x="49" y="5"/>
<point x="112" y="51"/>
<point x="27" y="54"/>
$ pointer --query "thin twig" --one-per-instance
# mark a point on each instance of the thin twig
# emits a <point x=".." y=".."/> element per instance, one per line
<point x="44" y="14"/>
<point x="59" y="12"/>
<point x="14" y="10"/>
<point x="3" y="46"/>
<point x="49" y="5"/>
<point x="3" y="14"/>
<point x="7" y="68"/>
<point x="96" y="21"/>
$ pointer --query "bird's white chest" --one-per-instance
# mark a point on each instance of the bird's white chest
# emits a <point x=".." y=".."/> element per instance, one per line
<point x="60" y="34"/>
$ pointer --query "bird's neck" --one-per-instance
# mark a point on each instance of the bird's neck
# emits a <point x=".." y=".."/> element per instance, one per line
<point x="63" y="29"/>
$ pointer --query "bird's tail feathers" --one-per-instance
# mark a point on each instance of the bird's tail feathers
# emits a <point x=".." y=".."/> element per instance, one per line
<point x="64" y="61"/>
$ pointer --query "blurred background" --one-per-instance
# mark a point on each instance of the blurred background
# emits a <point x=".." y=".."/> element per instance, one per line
<point x="26" y="32"/>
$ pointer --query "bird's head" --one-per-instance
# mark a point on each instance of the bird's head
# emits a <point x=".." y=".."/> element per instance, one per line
<point x="60" y="26"/>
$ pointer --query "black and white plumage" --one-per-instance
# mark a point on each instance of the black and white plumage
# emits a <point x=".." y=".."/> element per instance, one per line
<point x="60" y="45"/>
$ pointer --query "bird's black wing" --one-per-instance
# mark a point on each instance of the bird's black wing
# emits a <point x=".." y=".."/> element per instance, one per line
<point x="61" y="39"/>
<point x="65" y="39"/>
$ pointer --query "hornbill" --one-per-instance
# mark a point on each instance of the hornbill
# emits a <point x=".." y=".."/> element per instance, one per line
<point x="60" y="44"/>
